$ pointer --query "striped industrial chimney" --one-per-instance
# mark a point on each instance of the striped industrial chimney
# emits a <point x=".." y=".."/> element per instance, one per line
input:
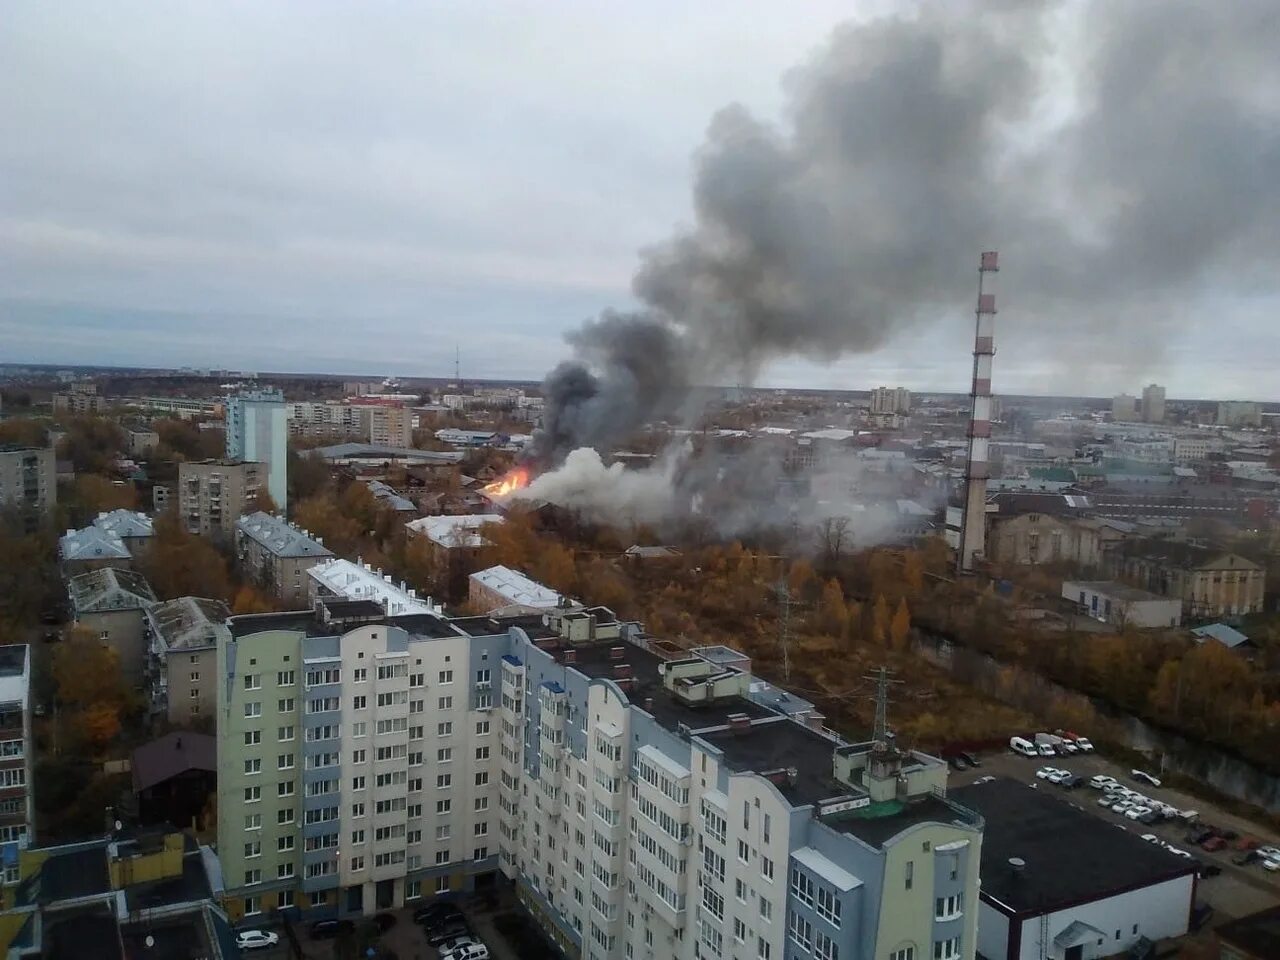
<point x="973" y="526"/>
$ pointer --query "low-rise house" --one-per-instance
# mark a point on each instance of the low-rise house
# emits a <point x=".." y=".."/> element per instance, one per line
<point x="455" y="543"/>
<point x="1121" y="604"/>
<point x="1229" y="637"/>
<point x="112" y="604"/>
<point x="278" y="554"/>
<point x="1210" y="582"/>
<point x="125" y="895"/>
<point x="141" y="442"/>
<point x="343" y="580"/>
<point x="501" y="591"/>
<point x="386" y="495"/>
<point x="174" y="776"/>
<point x="111" y="540"/>
<point x="182" y="639"/>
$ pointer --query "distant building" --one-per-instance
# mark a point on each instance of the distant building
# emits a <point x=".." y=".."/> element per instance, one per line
<point x="277" y="554"/>
<point x="332" y="421"/>
<point x="214" y="494"/>
<point x="373" y="454"/>
<point x="1239" y="413"/>
<point x="160" y="497"/>
<point x="468" y="438"/>
<point x="508" y="591"/>
<point x="889" y="400"/>
<point x="112" y="605"/>
<point x="1188" y="450"/>
<point x="257" y="431"/>
<point x="390" y="426"/>
<point x="386" y="495"/>
<point x="1210" y="583"/>
<point x="182" y="637"/>
<point x="1060" y="882"/>
<point x="1229" y="637"/>
<point x="141" y="443"/>
<point x="1122" y="605"/>
<point x="80" y="401"/>
<point x="1153" y="403"/>
<point x="17" y="807"/>
<point x="28" y="478"/>
<point x="1124" y="408"/>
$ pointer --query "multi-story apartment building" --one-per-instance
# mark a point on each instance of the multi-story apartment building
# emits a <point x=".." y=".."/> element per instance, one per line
<point x="335" y="421"/>
<point x="646" y="800"/>
<point x="257" y="431"/>
<point x="1210" y="583"/>
<point x="277" y="554"/>
<point x="17" y="809"/>
<point x="110" y="541"/>
<point x="390" y="426"/>
<point x="1239" y="413"/>
<point x="890" y="400"/>
<point x="112" y="605"/>
<point x="28" y="478"/>
<point x="182" y="651"/>
<point x="214" y="494"/>
<point x="1124" y="408"/>
<point x="81" y="400"/>
<point x="1153" y="403"/>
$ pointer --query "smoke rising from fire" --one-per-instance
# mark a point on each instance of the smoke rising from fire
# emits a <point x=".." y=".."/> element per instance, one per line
<point x="1122" y="157"/>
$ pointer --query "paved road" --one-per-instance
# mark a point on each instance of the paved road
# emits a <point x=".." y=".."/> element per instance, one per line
<point x="1235" y="892"/>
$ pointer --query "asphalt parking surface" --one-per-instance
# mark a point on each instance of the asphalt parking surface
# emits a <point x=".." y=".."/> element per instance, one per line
<point x="1237" y="891"/>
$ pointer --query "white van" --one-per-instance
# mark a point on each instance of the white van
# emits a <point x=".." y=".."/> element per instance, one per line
<point x="1024" y="747"/>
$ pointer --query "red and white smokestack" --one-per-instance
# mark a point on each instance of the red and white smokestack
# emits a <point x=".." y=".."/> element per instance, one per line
<point x="973" y="525"/>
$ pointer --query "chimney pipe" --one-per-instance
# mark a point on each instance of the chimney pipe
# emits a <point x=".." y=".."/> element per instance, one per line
<point x="973" y="522"/>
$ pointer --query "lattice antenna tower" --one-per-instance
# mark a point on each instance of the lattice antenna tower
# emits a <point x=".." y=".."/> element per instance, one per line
<point x="882" y="678"/>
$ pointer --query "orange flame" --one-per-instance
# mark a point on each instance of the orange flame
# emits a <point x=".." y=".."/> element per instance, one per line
<point x="517" y="479"/>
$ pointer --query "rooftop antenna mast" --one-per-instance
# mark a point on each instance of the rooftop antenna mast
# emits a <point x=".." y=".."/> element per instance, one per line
<point x="882" y="678"/>
<point x="785" y="602"/>
<point x="457" y="366"/>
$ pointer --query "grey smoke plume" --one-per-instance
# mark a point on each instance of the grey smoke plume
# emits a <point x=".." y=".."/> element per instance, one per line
<point x="1121" y="156"/>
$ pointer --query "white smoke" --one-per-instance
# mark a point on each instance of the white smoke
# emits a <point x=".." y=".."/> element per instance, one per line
<point x="610" y="494"/>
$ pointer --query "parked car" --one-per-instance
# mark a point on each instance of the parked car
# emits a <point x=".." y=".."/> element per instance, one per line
<point x="1209" y="869"/>
<point x="435" y="912"/>
<point x="330" y="929"/>
<point x="1023" y="747"/>
<point x="471" y="951"/>
<point x="956" y="763"/>
<point x="984" y="780"/>
<point x="1122" y="806"/>
<point x="1059" y="777"/>
<point x="970" y="758"/>
<point x="1150" y="817"/>
<point x="1197" y="837"/>
<point x="1101" y="781"/>
<point x="1269" y="853"/>
<point x="453" y="943"/>
<point x="1071" y="782"/>
<point x="256" y="939"/>
<point x="447" y="931"/>
<point x="1213" y="845"/>
<point x="1249" y="856"/>
<point x="1150" y="838"/>
<point x="1107" y="800"/>
<point x="1144" y="777"/>
<point x="1272" y="866"/>
<point x="1133" y="813"/>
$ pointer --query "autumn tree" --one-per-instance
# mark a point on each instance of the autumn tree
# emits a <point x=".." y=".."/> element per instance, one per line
<point x="178" y="563"/>
<point x="90" y="687"/>
<point x="834" y="612"/>
<point x="93" y="494"/>
<point x="880" y="622"/>
<point x="23" y="431"/>
<point x="248" y="599"/>
<point x="91" y="443"/>
<point x="264" y="502"/>
<point x="900" y="627"/>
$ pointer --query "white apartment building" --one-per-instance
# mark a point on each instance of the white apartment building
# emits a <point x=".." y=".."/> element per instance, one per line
<point x="888" y="400"/>
<point x="646" y="801"/>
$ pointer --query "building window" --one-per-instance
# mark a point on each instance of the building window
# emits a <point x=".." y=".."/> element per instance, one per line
<point x="285" y="705"/>
<point x="824" y="948"/>
<point x="285" y="678"/>
<point x="910" y="875"/>
<point x="412" y="889"/>
<point x="903" y="953"/>
<point x="446" y="676"/>
<point x="359" y="675"/>
<point x="446" y="703"/>
<point x="802" y="886"/>
<point x="948" y="949"/>
<point x="251" y="877"/>
<point x="253" y="849"/>
<point x="828" y="906"/>
<point x="442" y="883"/>
<point x="800" y="930"/>
<point x="253" y="681"/>
<point x="253" y="709"/>
<point x="252" y="794"/>
<point x="252" y="738"/>
<point x="253" y="821"/>
<point x="948" y="908"/>
<point x="284" y="734"/>
<point x="766" y="868"/>
<point x="252" y="906"/>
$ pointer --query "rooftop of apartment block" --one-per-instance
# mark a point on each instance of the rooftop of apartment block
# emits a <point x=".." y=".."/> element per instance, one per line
<point x="189" y="623"/>
<point x="333" y="618"/>
<point x="280" y="537"/>
<point x="108" y="589"/>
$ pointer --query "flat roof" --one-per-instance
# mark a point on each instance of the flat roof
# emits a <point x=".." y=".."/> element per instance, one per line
<point x="880" y="822"/>
<point x="782" y="744"/>
<point x="516" y="588"/>
<point x="1070" y="855"/>
<point x="430" y="625"/>
<point x="1117" y="591"/>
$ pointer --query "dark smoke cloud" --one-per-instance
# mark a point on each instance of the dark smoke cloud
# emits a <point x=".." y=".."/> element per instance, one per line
<point x="1118" y="175"/>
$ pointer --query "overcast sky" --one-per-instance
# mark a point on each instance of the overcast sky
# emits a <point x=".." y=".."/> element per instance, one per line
<point x="361" y="187"/>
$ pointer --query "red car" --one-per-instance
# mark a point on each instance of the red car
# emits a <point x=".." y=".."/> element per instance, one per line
<point x="1213" y="845"/>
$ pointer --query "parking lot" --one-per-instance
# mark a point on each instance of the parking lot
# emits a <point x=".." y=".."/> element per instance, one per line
<point x="498" y="920"/>
<point x="1237" y="891"/>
